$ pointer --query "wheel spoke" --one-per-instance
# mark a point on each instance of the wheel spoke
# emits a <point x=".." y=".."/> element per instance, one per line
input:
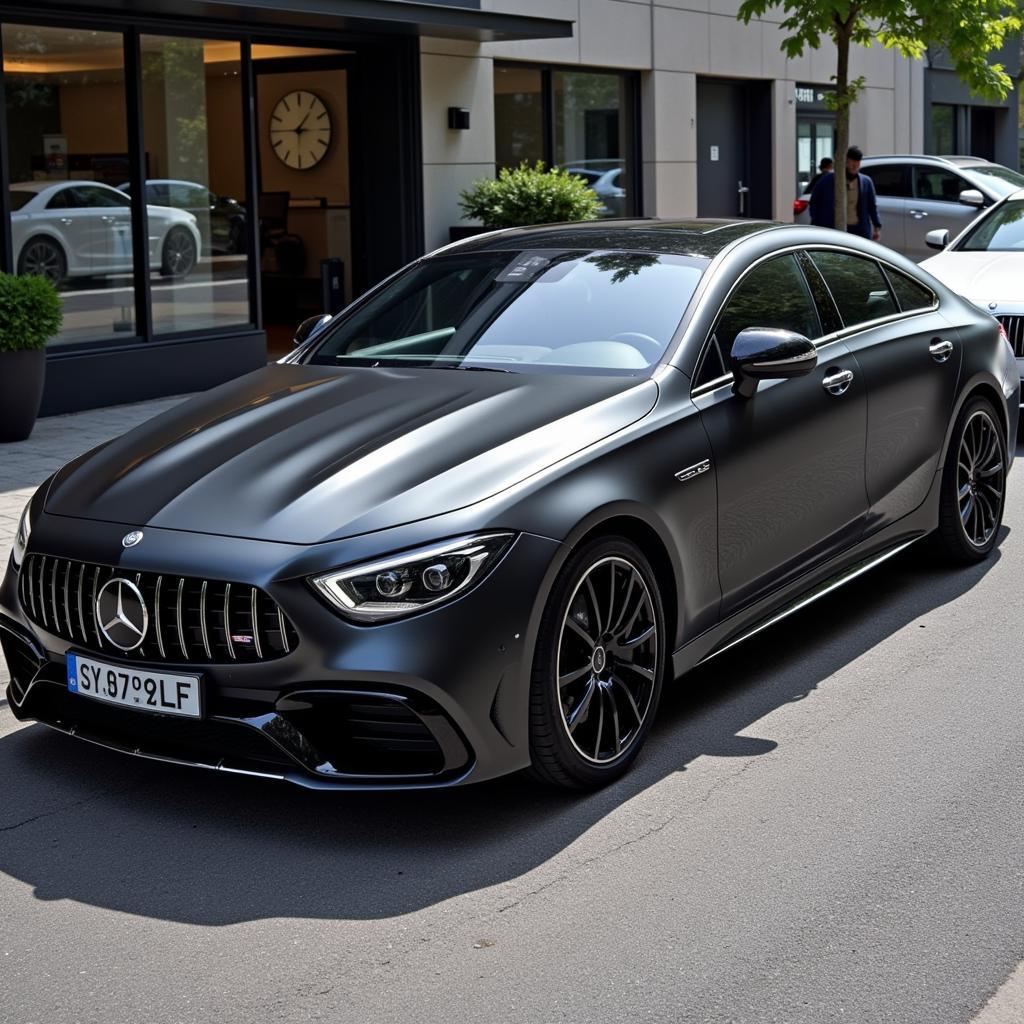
<point x="963" y="492"/>
<point x="645" y="672"/>
<point x="570" y="677"/>
<point x="966" y="509"/>
<point x="615" y="723"/>
<point x="616" y="629"/>
<point x="598" y="624"/>
<point x="629" y="697"/>
<point x="580" y="631"/>
<point x="579" y="711"/>
<point x="646" y="635"/>
<point x="600" y="722"/>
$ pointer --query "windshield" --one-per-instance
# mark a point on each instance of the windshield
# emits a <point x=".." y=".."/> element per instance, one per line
<point x="541" y="310"/>
<point x="1001" y="231"/>
<point x="1000" y="180"/>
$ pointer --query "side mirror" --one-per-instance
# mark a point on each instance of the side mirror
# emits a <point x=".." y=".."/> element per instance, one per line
<point x="766" y="353"/>
<point x="310" y="326"/>
<point x="971" y="197"/>
<point x="937" y="239"/>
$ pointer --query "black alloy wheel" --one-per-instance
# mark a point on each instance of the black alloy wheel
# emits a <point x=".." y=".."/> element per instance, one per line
<point x="43" y="257"/>
<point x="179" y="255"/>
<point x="973" y="484"/>
<point x="598" y="668"/>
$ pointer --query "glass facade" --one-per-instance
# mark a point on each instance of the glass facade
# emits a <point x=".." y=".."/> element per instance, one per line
<point x="67" y="151"/>
<point x="944" y="138"/>
<point x="582" y="121"/>
<point x="70" y="96"/>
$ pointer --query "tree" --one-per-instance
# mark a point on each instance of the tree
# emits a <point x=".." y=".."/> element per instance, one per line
<point x="968" y="30"/>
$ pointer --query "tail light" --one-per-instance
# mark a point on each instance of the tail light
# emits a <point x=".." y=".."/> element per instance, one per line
<point x="799" y="205"/>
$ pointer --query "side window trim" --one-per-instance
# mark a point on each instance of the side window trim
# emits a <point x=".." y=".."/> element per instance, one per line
<point x="822" y="295"/>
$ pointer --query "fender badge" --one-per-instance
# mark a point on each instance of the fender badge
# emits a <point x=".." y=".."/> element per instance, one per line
<point x="129" y="540"/>
<point x="695" y="470"/>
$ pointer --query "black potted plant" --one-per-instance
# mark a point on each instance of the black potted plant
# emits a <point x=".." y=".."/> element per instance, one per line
<point x="526" y="195"/>
<point x="30" y="315"/>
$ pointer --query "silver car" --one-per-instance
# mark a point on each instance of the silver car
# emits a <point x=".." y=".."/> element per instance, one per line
<point x="918" y="194"/>
<point x="70" y="229"/>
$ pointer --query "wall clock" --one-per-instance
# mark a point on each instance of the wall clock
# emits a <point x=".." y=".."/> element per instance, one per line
<point x="300" y="129"/>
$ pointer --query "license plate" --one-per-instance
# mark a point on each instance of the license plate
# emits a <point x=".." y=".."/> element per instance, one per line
<point x="164" y="692"/>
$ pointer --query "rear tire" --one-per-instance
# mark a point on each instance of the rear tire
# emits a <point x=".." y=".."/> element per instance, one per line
<point x="598" y="667"/>
<point x="973" y="491"/>
<point x="45" y="258"/>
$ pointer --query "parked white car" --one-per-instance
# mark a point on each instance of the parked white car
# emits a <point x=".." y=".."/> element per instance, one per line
<point x="73" y="229"/>
<point x="985" y="264"/>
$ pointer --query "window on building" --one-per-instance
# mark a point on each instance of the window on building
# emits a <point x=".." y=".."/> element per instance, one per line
<point x="581" y="121"/>
<point x="192" y="132"/>
<point x="944" y="138"/>
<point x="64" y="94"/>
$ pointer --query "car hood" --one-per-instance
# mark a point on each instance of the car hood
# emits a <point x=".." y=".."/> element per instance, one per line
<point x="981" y="277"/>
<point x="302" y="454"/>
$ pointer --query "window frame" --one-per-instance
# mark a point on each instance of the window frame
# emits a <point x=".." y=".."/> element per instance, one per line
<point x="633" y="155"/>
<point x="826" y="339"/>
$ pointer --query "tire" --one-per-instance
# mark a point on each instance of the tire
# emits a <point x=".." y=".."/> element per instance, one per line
<point x="973" y="492"/>
<point x="179" y="253"/>
<point x="44" y="257"/>
<point x="571" y="744"/>
<point x="236" y="238"/>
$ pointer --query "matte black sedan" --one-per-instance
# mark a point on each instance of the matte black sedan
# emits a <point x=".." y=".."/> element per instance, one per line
<point x="475" y="522"/>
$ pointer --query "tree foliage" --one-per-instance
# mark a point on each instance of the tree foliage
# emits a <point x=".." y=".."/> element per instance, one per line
<point x="968" y="30"/>
<point x="529" y="195"/>
<point x="30" y="312"/>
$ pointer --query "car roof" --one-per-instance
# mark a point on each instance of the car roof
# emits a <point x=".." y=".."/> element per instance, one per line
<point x="956" y="161"/>
<point x="701" y="237"/>
<point x="42" y="186"/>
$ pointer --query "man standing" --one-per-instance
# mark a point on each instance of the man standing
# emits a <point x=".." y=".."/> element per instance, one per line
<point x="861" y="208"/>
<point x="824" y="167"/>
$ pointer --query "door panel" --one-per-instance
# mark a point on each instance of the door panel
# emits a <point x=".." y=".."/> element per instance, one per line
<point x="934" y="206"/>
<point x="790" y="468"/>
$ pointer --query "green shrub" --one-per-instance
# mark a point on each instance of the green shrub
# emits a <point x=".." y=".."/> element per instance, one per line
<point x="529" y="195"/>
<point x="31" y="312"/>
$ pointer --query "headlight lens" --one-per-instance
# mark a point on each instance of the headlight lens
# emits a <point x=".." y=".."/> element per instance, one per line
<point x="412" y="581"/>
<point x="21" y="537"/>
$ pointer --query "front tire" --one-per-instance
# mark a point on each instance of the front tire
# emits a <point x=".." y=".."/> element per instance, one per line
<point x="973" y="485"/>
<point x="598" y="667"/>
<point x="179" y="253"/>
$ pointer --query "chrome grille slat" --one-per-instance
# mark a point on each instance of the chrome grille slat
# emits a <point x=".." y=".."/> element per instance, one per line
<point x="227" y="621"/>
<point x="199" y="610"/>
<point x="1014" y="327"/>
<point x="202" y="620"/>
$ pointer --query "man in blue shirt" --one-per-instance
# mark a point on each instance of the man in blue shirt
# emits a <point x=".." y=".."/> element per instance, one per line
<point x="861" y="208"/>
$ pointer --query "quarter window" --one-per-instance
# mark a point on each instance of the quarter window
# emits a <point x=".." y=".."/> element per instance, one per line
<point x="910" y="294"/>
<point x="858" y="286"/>
<point x="774" y="294"/>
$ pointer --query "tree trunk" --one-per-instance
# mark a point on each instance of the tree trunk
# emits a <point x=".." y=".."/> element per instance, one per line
<point x="843" y="33"/>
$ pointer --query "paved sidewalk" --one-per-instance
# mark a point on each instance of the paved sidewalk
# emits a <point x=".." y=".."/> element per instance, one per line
<point x="56" y="440"/>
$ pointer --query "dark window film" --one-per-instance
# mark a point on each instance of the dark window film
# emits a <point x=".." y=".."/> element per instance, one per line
<point x="910" y="294"/>
<point x="774" y="294"/>
<point x="890" y="179"/>
<point x="858" y="286"/>
<point x="518" y="115"/>
<point x="943" y="128"/>
<point x="937" y="184"/>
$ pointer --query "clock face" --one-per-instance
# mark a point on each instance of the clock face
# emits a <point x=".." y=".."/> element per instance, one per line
<point x="300" y="129"/>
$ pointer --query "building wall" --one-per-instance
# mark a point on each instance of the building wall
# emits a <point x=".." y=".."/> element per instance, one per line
<point x="671" y="43"/>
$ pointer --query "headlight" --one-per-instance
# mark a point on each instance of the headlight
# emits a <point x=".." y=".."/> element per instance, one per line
<point x="413" y="580"/>
<point x="21" y="537"/>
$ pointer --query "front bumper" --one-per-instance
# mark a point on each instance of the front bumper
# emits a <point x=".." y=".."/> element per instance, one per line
<point x="435" y="700"/>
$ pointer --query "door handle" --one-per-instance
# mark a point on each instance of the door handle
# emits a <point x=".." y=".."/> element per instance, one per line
<point x="941" y="350"/>
<point x="837" y="382"/>
<point x="918" y="214"/>
<point x="742" y="191"/>
<point x="107" y="219"/>
<point x="67" y="221"/>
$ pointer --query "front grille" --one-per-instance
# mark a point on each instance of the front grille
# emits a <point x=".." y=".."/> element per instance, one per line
<point x="1014" y="327"/>
<point x="192" y="620"/>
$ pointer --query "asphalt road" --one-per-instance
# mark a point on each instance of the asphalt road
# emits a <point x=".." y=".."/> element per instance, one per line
<point x="826" y="826"/>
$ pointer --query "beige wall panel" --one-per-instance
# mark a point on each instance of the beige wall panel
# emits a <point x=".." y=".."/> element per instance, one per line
<point x="681" y="40"/>
<point x="783" y="150"/>
<point x="735" y="47"/>
<point x="556" y="51"/>
<point x="441" y="186"/>
<point x="457" y="82"/>
<point x="685" y="5"/>
<point x="615" y="33"/>
<point x="670" y="112"/>
<point x="674" y="190"/>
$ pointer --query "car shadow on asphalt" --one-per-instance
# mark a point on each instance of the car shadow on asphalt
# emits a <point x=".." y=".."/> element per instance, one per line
<point x="81" y="823"/>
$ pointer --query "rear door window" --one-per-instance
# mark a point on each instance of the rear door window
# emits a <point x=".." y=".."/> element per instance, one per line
<point x="890" y="179"/>
<point x="858" y="286"/>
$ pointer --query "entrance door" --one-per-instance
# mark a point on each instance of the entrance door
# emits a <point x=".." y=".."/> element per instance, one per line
<point x="734" y="167"/>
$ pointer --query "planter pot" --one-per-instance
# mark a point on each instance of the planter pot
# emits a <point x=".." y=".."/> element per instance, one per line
<point x="22" y="374"/>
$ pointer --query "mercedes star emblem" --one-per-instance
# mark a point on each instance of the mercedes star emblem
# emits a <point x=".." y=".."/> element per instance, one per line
<point x="129" y="540"/>
<point x="121" y="613"/>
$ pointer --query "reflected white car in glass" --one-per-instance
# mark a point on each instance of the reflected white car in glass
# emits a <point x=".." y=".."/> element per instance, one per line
<point x="985" y="264"/>
<point x="76" y="229"/>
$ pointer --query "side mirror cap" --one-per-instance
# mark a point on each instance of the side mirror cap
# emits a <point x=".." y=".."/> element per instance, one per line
<point x="310" y="326"/>
<point x="937" y="239"/>
<point x="767" y="353"/>
<point x="971" y="197"/>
